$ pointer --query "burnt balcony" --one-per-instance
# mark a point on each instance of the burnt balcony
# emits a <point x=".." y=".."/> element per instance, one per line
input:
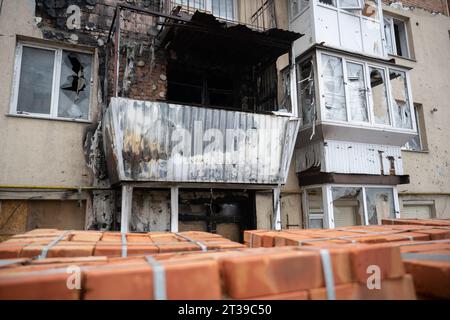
<point x="196" y="99"/>
<point x="161" y="142"/>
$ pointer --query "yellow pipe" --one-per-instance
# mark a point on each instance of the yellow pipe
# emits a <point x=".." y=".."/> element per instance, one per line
<point x="49" y="187"/>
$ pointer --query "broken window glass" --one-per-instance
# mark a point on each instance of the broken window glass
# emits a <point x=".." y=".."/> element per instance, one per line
<point x="389" y="35"/>
<point x="285" y="91"/>
<point x="306" y="91"/>
<point x="357" y="92"/>
<point x="400" y="99"/>
<point x="370" y="9"/>
<point x="334" y="93"/>
<point x="379" y="96"/>
<point x="380" y="204"/>
<point x="36" y="81"/>
<point x="347" y="206"/>
<point x="74" y="93"/>
<point x="415" y="144"/>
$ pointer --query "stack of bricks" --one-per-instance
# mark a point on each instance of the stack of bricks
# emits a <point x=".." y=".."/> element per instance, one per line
<point x="52" y="243"/>
<point x="253" y="274"/>
<point x="425" y="247"/>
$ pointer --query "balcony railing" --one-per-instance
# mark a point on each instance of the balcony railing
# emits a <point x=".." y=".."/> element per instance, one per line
<point x="256" y="14"/>
<point x="166" y="143"/>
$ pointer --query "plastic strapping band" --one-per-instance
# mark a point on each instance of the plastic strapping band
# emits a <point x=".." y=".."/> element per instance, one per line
<point x="159" y="279"/>
<point x="4" y="263"/>
<point x="251" y="240"/>
<point x="44" y="252"/>
<point x="328" y="274"/>
<point x="424" y="256"/>
<point x="200" y="244"/>
<point x="124" y="245"/>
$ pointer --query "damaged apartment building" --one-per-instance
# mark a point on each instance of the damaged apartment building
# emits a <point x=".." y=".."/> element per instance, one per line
<point x="218" y="115"/>
<point x="355" y="75"/>
<point x="170" y="111"/>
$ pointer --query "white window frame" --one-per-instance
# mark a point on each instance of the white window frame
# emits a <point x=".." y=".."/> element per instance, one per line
<point x="328" y="215"/>
<point x="418" y="120"/>
<point x="367" y="65"/>
<point x="56" y="82"/>
<point x="391" y="19"/>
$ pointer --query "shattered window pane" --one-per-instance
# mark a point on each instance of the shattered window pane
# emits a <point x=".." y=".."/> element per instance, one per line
<point x="400" y="100"/>
<point x="74" y="93"/>
<point x="388" y="35"/>
<point x="379" y="96"/>
<point x="306" y="91"/>
<point x="357" y="92"/>
<point x="370" y="9"/>
<point x="334" y="93"/>
<point x="380" y="204"/>
<point x="415" y="144"/>
<point x="347" y="207"/>
<point x="36" y="81"/>
<point x="285" y="76"/>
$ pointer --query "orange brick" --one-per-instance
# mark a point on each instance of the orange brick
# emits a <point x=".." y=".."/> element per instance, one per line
<point x="36" y="287"/>
<point x="431" y="278"/>
<point x="386" y="257"/>
<point x="271" y="273"/>
<point x="87" y="236"/>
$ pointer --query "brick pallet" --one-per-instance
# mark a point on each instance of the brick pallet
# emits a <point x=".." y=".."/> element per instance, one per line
<point x="50" y="243"/>
<point x="423" y="222"/>
<point x="265" y="273"/>
<point x="425" y="248"/>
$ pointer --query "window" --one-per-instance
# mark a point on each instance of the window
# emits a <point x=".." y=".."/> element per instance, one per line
<point x="348" y="209"/>
<point x="297" y="7"/>
<point x="419" y="209"/>
<point x="396" y="37"/>
<point x="417" y="143"/>
<point x="333" y="88"/>
<point x="306" y="91"/>
<point x="224" y="9"/>
<point x="357" y="96"/>
<point x="379" y="96"/>
<point x="353" y="90"/>
<point x="314" y="202"/>
<point x="350" y="205"/>
<point x="52" y="82"/>
<point x="400" y="99"/>
<point x="380" y="204"/>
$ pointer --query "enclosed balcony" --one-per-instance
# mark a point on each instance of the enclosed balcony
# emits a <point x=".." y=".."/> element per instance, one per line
<point x="352" y="25"/>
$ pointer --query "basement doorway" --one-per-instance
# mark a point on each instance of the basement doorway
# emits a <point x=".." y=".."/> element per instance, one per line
<point x="224" y="212"/>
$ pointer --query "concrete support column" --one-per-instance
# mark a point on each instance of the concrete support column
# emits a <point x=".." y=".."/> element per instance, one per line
<point x="127" y="200"/>
<point x="174" y="209"/>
